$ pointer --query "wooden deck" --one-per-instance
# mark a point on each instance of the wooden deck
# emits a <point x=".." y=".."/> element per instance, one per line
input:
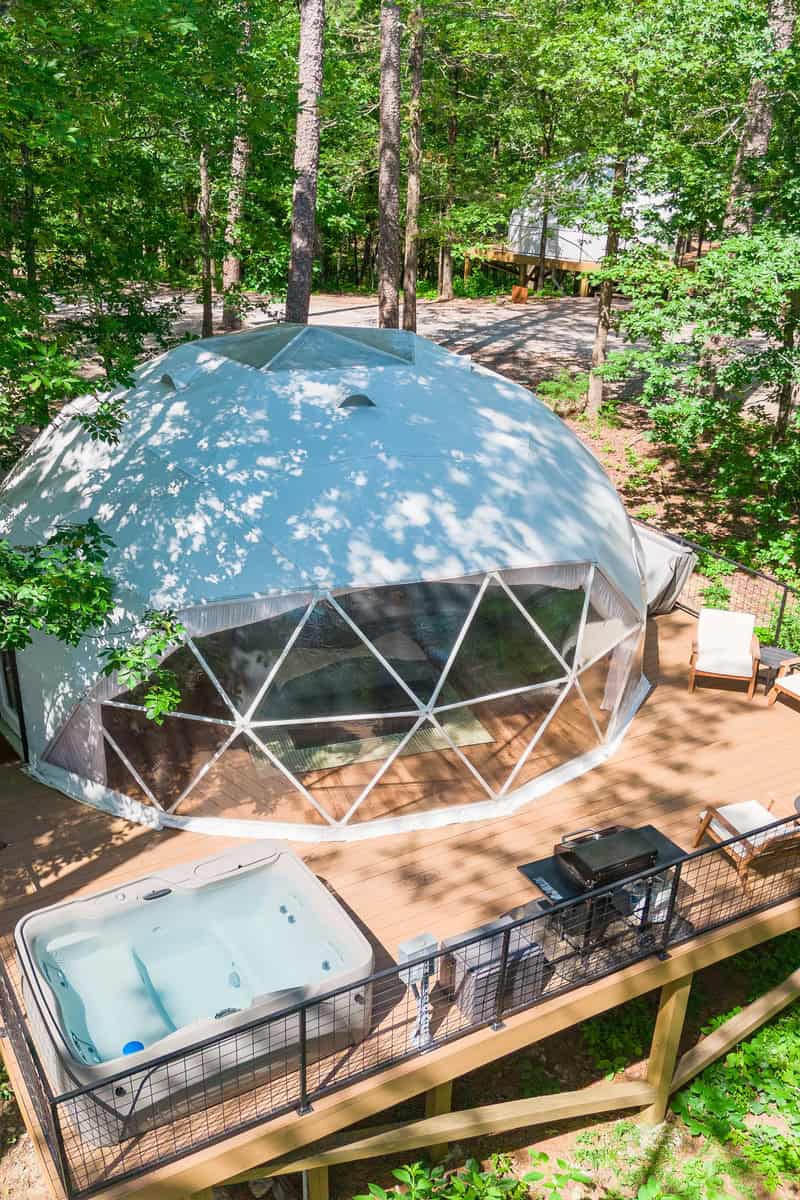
<point x="682" y="752"/>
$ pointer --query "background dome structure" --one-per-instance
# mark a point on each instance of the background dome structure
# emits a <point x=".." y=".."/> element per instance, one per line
<point x="412" y="596"/>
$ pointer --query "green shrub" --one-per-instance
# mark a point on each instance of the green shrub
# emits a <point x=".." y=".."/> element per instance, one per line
<point x="565" y="393"/>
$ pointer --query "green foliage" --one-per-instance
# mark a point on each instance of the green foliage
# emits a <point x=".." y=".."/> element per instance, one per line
<point x="646" y="512"/>
<point x="759" y="1079"/>
<point x="534" y="1080"/>
<point x="565" y="393"/>
<point x="707" y="342"/>
<point x="618" y="1037"/>
<point x="421" y="1181"/>
<point x="5" y="1087"/>
<point x="139" y="662"/>
<point x="58" y="588"/>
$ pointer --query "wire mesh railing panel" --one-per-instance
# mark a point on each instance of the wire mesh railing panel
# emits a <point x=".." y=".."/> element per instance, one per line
<point x="754" y="872"/>
<point x="720" y="582"/>
<point x="33" y="1076"/>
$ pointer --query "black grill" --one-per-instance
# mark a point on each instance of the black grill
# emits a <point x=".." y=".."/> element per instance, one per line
<point x="592" y="857"/>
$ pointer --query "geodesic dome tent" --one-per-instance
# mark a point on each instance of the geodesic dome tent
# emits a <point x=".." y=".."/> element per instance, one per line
<point x="411" y="595"/>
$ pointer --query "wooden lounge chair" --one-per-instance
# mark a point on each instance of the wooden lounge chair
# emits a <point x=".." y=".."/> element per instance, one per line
<point x="735" y="820"/>
<point x="785" y="682"/>
<point x="725" y="648"/>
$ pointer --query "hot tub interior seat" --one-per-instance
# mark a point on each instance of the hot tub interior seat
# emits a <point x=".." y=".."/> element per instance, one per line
<point x="149" y="970"/>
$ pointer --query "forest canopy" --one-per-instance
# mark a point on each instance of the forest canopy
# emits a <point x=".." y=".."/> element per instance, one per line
<point x="232" y="147"/>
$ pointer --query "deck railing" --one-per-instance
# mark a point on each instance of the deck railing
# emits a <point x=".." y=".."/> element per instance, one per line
<point x="720" y="582"/>
<point x="130" y="1123"/>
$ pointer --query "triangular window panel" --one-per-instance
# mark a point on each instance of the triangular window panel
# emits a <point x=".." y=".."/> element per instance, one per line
<point x="242" y="658"/>
<point x="243" y="784"/>
<point x="198" y="694"/>
<point x="494" y="734"/>
<point x="119" y="778"/>
<point x="336" y="760"/>
<point x="603" y="682"/>
<point x="500" y="651"/>
<point x="557" y="611"/>
<point x="414" y="627"/>
<point x="608" y="618"/>
<point x="166" y="757"/>
<point x="323" y="350"/>
<point x="330" y="671"/>
<point x="568" y="735"/>
<point x="425" y="776"/>
<point x="254" y="349"/>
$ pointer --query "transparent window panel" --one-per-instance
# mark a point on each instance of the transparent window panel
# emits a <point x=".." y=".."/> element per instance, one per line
<point x="494" y="735"/>
<point x="241" y="659"/>
<point x="243" y="784"/>
<point x="167" y="757"/>
<point x="500" y="651"/>
<point x="608" y="618"/>
<point x="568" y="735"/>
<point x="329" y="671"/>
<point x="425" y="776"/>
<point x="198" y="694"/>
<point x="119" y="778"/>
<point x="604" y="680"/>
<point x="556" y="610"/>
<point x="336" y="760"/>
<point x="414" y="627"/>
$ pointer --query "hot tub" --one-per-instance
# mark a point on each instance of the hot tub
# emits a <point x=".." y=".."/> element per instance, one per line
<point x="125" y="977"/>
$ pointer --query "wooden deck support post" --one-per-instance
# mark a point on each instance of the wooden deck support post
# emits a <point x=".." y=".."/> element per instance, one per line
<point x="438" y="1101"/>
<point x="583" y="288"/>
<point x="467" y="267"/>
<point x="317" y="1183"/>
<point x="664" y="1047"/>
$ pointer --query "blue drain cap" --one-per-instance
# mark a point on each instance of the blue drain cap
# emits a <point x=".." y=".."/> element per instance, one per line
<point x="132" y="1047"/>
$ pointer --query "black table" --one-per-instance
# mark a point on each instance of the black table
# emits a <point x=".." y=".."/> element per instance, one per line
<point x="556" y="885"/>
<point x="771" y="658"/>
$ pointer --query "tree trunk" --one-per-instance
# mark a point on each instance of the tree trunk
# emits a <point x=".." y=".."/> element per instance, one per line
<point x="606" y="295"/>
<point x="306" y="159"/>
<point x="789" y="391"/>
<point x="410" y="263"/>
<point x="446" y="269"/>
<point x="240" y="158"/>
<point x="29" y="220"/>
<point x="758" y="116"/>
<point x="204" y="216"/>
<point x="389" y="169"/>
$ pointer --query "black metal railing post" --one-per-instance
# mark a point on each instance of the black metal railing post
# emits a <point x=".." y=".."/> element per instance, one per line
<point x="663" y="951"/>
<point x="304" y="1105"/>
<point x="502" y="975"/>
<point x="63" y="1160"/>
<point x="781" y="611"/>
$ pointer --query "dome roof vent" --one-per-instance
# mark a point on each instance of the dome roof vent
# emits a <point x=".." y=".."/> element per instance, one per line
<point x="357" y="400"/>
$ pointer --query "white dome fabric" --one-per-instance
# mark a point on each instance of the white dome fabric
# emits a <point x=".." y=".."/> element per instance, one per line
<point x="262" y="474"/>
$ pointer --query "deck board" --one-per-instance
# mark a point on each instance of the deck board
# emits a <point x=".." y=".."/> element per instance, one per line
<point x="681" y="752"/>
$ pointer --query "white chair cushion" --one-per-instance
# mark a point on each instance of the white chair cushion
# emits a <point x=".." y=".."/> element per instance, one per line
<point x="790" y="683"/>
<point x="718" y="663"/>
<point x="743" y="817"/>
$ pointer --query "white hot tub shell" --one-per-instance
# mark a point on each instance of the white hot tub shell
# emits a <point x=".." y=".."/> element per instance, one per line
<point x="185" y="968"/>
